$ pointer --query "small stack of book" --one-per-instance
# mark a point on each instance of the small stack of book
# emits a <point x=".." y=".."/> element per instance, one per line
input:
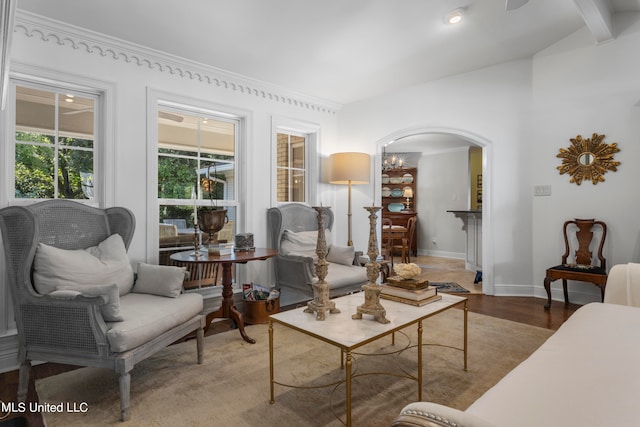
<point x="417" y="297"/>
<point x="220" y="249"/>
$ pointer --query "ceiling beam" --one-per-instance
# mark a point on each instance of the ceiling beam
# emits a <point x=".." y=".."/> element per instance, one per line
<point x="597" y="14"/>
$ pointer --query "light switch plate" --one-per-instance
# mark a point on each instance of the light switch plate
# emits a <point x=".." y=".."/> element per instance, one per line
<point x="542" y="190"/>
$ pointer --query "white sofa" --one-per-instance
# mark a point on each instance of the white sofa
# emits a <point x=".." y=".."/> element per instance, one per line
<point x="586" y="374"/>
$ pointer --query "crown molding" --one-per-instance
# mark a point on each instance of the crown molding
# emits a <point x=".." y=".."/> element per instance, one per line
<point x="52" y="31"/>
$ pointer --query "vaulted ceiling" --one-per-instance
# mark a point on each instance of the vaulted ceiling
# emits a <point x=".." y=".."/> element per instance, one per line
<point x="340" y="50"/>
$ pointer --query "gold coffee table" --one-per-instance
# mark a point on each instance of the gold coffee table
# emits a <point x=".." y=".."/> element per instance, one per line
<point x="348" y="334"/>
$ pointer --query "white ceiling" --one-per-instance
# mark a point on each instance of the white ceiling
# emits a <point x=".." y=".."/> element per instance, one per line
<point x="339" y="50"/>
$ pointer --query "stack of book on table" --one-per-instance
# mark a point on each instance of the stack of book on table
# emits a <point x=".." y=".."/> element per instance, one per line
<point x="412" y="292"/>
<point x="220" y="249"/>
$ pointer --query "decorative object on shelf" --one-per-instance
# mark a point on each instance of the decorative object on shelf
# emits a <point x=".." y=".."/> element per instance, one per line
<point x="349" y="168"/>
<point x="407" y="193"/>
<point x="588" y="159"/>
<point x="407" y="270"/>
<point x="407" y="178"/>
<point x="396" y="192"/>
<point x="244" y="242"/>
<point x="321" y="303"/>
<point x="386" y="192"/>
<point x="372" y="289"/>
<point x="384" y="178"/>
<point x="395" y="207"/>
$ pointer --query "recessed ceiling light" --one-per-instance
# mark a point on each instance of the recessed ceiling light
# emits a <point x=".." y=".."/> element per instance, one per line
<point x="455" y="16"/>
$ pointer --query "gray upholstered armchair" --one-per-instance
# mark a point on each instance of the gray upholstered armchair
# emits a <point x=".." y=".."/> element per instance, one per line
<point x="293" y="230"/>
<point x="110" y="323"/>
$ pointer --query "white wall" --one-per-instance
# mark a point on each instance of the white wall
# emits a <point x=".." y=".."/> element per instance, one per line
<point x="443" y="184"/>
<point x="582" y="88"/>
<point x="132" y="71"/>
<point x="492" y="103"/>
<point x="528" y="110"/>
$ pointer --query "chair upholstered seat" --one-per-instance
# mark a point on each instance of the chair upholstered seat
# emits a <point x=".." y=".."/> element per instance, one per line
<point x="148" y="316"/>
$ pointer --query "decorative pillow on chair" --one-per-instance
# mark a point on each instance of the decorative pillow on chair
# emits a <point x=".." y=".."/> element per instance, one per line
<point x="341" y="254"/>
<point x="162" y="280"/>
<point x="97" y="265"/>
<point x="302" y="242"/>
<point x="110" y="310"/>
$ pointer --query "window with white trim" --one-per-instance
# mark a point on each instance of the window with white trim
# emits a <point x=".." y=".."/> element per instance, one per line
<point x="295" y="167"/>
<point x="54" y="142"/>
<point x="196" y="169"/>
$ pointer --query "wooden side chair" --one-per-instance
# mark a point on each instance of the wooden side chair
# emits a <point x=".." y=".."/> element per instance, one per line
<point x="407" y="241"/>
<point x="386" y="249"/>
<point x="583" y="268"/>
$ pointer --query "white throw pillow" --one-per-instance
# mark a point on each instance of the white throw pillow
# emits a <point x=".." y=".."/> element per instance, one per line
<point x="110" y="310"/>
<point x="162" y="280"/>
<point x="302" y="243"/>
<point x="98" y="265"/>
<point x="341" y="254"/>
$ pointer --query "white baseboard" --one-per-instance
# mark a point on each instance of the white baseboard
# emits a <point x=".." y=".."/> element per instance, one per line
<point x="441" y="254"/>
<point x="576" y="296"/>
<point x="9" y="352"/>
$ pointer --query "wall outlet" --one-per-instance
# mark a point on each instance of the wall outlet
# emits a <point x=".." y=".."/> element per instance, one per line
<point x="542" y="190"/>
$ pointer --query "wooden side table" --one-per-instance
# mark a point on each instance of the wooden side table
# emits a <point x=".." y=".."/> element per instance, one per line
<point x="228" y="309"/>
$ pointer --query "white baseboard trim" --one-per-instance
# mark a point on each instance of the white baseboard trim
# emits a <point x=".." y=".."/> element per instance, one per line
<point x="441" y="254"/>
<point x="576" y="296"/>
<point x="9" y="353"/>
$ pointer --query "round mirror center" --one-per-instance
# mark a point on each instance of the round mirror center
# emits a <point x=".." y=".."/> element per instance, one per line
<point x="586" y="158"/>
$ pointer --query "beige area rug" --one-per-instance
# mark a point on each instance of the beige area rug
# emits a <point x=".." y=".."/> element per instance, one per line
<point x="232" y="387"/>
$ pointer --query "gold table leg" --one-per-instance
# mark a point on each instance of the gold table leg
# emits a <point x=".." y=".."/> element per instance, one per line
<point x="420" y="360"/>
<point x="348" y="384"/>
<point x="466" y="315"/>
<point x="271" y="361"/>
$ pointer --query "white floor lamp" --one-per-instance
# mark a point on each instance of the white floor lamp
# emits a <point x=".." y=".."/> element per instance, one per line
<point x="349" y="168"/>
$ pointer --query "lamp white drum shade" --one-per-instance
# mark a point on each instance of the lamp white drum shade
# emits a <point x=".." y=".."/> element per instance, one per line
<point x="349" y="168"/>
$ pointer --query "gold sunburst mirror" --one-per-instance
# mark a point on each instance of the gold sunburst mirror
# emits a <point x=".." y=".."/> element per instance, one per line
<point x="588" y="159"/>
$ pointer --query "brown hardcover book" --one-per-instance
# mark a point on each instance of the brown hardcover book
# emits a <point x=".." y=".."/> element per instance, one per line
<point x="412" y="284"/>
<point x="412" y="302"/>
<point x="416" y="295"/>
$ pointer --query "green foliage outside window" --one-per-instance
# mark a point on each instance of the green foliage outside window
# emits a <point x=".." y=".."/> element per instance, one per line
<point x="35" y="168"/>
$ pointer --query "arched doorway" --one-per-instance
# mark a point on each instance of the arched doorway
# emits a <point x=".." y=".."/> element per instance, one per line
<point x="452" y="136"/>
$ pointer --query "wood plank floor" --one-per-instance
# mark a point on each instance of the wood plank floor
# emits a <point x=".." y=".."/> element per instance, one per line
<point x="518" y="309"/>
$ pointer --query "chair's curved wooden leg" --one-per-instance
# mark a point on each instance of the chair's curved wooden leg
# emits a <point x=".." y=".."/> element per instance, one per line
<point x="602" y="289"/>
<point x="566" y="291"/>
<point x="547" y="287"/>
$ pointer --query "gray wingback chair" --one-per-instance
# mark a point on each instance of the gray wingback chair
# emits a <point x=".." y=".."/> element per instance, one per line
<point x="295" y="272"/>
<point x="71" y="328"/>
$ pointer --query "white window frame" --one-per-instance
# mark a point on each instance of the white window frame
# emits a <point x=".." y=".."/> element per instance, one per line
<point x="311" y="131"/>
<point x="160" y="100"/>
<point x="103" y="150"/>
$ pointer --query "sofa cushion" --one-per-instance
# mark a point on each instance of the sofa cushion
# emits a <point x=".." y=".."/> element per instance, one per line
<point x="110" y="310"/>
<point x="103" y="264"/>
<point x="148" y="316"/>
<point x="341" y="254"/>
<point x="161" y="280"/>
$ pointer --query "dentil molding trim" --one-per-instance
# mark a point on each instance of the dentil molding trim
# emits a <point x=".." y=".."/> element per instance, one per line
<point x="52" y="31"/>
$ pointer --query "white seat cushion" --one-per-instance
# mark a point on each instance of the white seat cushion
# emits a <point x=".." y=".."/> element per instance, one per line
<point x="148" y="316"/>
